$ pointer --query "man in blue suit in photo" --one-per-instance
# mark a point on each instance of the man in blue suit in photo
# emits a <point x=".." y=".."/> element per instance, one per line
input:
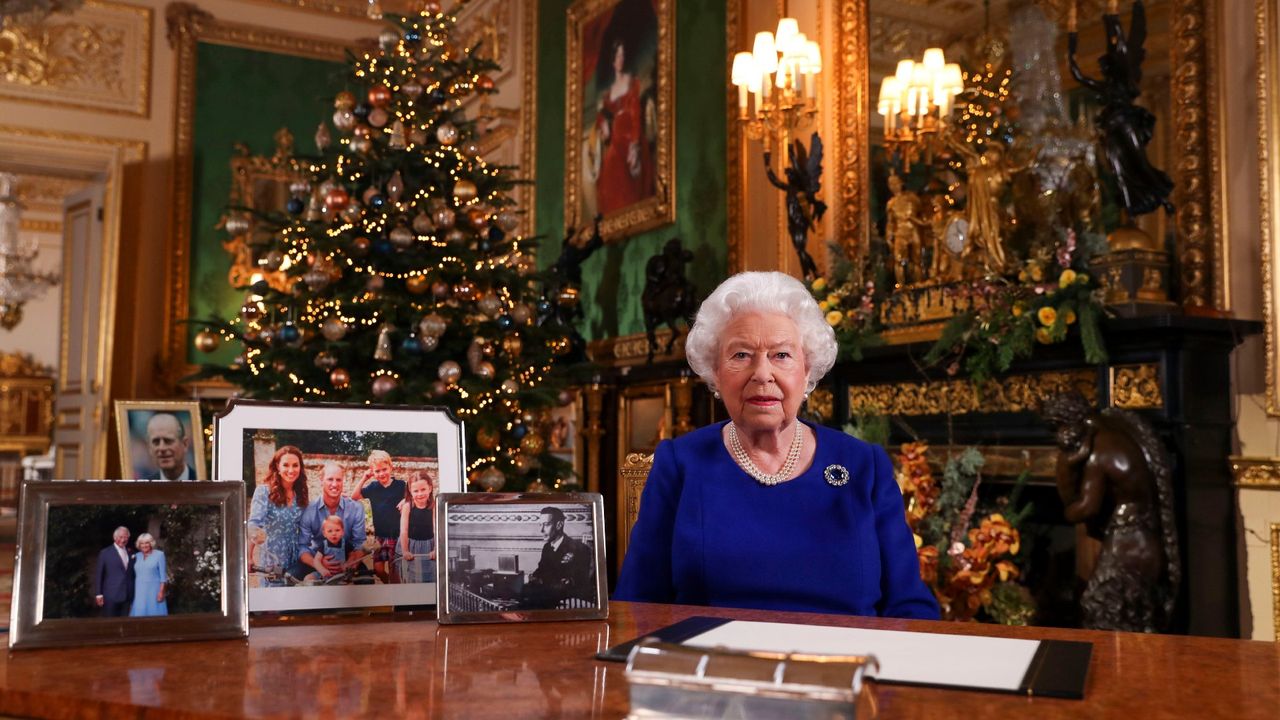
<point x="113" y="580"/>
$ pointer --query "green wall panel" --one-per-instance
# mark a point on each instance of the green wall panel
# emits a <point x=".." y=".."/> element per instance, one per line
<point x="242" y="96"/>
<point x="613" y="277"/>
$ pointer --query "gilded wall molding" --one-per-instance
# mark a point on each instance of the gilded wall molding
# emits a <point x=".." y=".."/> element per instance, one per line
<point x="1136" y="387"/>
<point x="852" y="124"/>
<point x="349" y="8"/>
<point x="1275" y="578"/>
<point x="634" y="349"/>
<point x="98" y="58"/>
<point x="957" y="396"/>
<point x="1267" y="50"/>
<point x="186" y="27"/>
<point x="1255" y="473"/>
<point x="734" y="168"/>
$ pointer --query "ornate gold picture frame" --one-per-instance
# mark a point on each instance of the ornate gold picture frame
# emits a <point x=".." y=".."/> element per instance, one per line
<point x="620" y="115"/>
<point x="1267" y="39"/>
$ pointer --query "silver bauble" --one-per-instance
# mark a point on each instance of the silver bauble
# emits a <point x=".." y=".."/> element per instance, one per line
<point x="508" y="220"/>
<point x="344" y="120"/>
<point x="401" y="237"/>
<point x="333" y="329"/>
<point x="378" y="117"/>
<point x="422" y="223"/>
<point x="491" y="480"/>
<point x="443" y="218"/>
<point x="447" y="133"/>
<point x="449" y="371"/>
<point x="432" y="325"/>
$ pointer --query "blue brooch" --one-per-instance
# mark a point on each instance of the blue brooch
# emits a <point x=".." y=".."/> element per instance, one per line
<point x="836" y="475"/>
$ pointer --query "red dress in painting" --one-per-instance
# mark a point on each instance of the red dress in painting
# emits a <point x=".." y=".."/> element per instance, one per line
<point x="621" y="183"/>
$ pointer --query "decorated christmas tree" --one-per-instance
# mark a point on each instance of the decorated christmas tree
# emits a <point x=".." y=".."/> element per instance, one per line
<point x="395" y="276"/>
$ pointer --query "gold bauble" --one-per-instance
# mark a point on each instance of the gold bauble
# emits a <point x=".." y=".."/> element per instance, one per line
<point x="207" y="341"/>
<point x="533" y="443"/>
<point x="487" y="438"/>
<point x="464" y="190"/>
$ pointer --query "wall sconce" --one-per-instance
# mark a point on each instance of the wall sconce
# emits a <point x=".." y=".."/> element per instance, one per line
<point x="916" y="102"/>
<point x="776" y="81"/>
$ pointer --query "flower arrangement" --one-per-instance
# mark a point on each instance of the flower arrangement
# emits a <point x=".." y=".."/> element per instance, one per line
<point x="851" y="306"/>
<point x="968" y="556"/>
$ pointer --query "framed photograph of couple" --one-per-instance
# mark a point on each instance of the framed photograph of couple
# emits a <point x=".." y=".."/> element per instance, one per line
<point x="160" y="440"/>
<point x="619" y="115"/>
<point x="341" y="499"/>
<point x="518" y="557"/>
<point x="119" y="561"/>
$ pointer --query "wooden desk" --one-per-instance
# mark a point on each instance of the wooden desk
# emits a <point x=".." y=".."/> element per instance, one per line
<point x="416" y="669"/>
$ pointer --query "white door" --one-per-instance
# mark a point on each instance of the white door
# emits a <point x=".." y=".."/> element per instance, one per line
<point x="80" y="403"/>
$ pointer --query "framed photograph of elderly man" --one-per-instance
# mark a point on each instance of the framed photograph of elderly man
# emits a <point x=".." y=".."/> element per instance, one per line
<point x="341" y="500"/>
<point x="160" y="440"/>
<point x="120" y="561"/>
<point x="512" y="557"/>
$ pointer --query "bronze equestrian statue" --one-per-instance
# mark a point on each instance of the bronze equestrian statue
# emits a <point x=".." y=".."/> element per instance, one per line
<point x="1114" y="476"/>
<point x="668" y="295"/>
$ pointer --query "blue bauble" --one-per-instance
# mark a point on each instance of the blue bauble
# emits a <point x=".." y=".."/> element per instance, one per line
<point x="495" y="234"/>
<point x="484" y="246"/>
<point x="377" y="201"/>
<point x="437" y="96"/>
<point x="295" y="206"/>
<point x="361" y="110"/>
<point x="382" y="246"/>
<point x="260" y="288"/>
<point x="289" y="333"/>
<point x="505" y="322"/>
<point x="411" y="346"/>
<point x="412" y="36"/>
<point x="519" y="431"/>
<point x="544" y="307"/>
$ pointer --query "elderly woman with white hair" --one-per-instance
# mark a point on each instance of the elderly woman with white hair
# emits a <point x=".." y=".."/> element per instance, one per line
<point x="149" y="579"/>
<point x="766" y="511"/>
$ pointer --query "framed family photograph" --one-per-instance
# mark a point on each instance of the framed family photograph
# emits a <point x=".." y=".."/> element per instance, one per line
<point x="160" y="440"/>
<point x="619" y="115"/>
<point x="341" y="499"/>
<point x="513" y="557"/>
<point x="119" y="561"/>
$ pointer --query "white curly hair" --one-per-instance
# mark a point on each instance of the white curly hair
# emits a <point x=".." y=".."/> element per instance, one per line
<point x="760" y="292"/>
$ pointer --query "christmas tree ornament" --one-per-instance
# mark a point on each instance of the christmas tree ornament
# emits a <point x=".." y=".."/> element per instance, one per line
<point x="484" y="83"/>
<point x="491" y="480"/>
<point x="375" y="284"/>
<point x="417" y="284"/>
<point x="428" y="343"/>
<point x="314" y="209"/>
<point x="412" y="36"/>
<point x="397" y="139"/>
<point x="447" y="133"/>
<point x="280" y="366"/>
<point x="527" y="417"/>
<point x="369" y="194"/>
<point x="464" y="191"/>
<point x="326" y="360"/>
<point x="267" y="335"/>
<point x="382" y="352"/>
<point x="289" y="333"/>
<point x="505" y="322"/>
<point x="378" y="117"/>
<point x="352" y="213"/>
<point x="382" y="246"/>
<point x="478" y="217"/>
<point x="455" y="237"/>
<point x="508" y="220"/>
<point x="466" y="291"/>
<point x="317" y="279"/>
<point x="490" y="304"/>
<point x="401" y="237"/>
<point x="361" y="111"/>
<point x="512" y="345"/>
<point x="418" y="136"/>
<point x="487" y="438"/>
<point x="299" y="188"/>
<point x="360" y="246"/>
<point x="485" y="370"/>
<point x="235" y="224"/>
<point x="207" y="341"/>
<point x="537" y="486"/>
<point x="411" y="346"/>
<point x="431" y="7"/>
<point x="443" y="218"/>
<point x="510" y="386"/>
<point x="323" y="137"/>
<point x="436" y="97"/>
<point x="422" y="223"/>
<point x="521" y="313"/>
<point x="295" y="206"/>
<point x="361" y="145"/>
<point x="238" y="362"/>
<point x="433" y="325"/>
<point x="439" y="388"/>
<point x="250" y="335"/>
<point x="449" y="371"/>
<point x="519" y="430"/>
<point x="440" y="289"/>
<point x="379" y="96"/>
<point x="470" y="148"/>
<point x="333" y="328"/>
<point x="344" y="101"/>
<point x="474" y="353"/>
<point x="344" y="120"/>
<point x="336" y="199"/>
<point x="340" y="378"/>
<point x="532" y="443"/>
<point x="250" y="311"/>
<point x="395" y="185"/>
<point x="411" y="89"/>
<point x="377" y="201"/>
<point x="388" y="39"/>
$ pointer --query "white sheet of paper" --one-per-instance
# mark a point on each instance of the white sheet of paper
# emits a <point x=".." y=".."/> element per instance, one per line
<point x="914" y="657"/>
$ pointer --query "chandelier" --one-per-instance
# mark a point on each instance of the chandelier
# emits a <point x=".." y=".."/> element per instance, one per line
<point x="779" y="74"/>
<point x="916" y="101"/>
<point x="19" y="281"/>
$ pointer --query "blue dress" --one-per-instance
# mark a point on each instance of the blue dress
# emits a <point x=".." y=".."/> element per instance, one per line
<point x="709" y="534"/>
<point x="149" y="574"/>
<point x="281" y="525"/>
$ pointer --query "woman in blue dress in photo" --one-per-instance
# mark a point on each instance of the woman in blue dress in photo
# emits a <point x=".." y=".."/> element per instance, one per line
<point x="149" y="579"/>
<point x="766" y="511"/>
<point x="274" y="513"/>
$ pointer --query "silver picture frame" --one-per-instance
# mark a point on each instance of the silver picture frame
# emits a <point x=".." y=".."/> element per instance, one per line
<point x="521" y="557"/>
<point x="54" y="603"/>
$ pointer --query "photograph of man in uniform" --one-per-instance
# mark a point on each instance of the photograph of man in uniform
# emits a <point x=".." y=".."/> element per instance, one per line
<point x="565" y="570"/>
<point x="113" y="578"/>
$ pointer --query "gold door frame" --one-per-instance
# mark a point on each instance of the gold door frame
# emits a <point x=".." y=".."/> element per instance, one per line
<point x="1267" y="47"/>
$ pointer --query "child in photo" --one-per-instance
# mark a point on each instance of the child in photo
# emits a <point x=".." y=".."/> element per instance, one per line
<point x="417" y="530"/>
<point x="335" y="546"/>
<point x="384" y="493"/>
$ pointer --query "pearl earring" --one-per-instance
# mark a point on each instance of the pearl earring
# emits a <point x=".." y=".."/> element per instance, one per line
<point x="716" y="394"/>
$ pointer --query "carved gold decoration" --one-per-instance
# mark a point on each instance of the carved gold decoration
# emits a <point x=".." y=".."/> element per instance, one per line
<point x="1275" y="578"/>
<point x="526" y="193"/>
<point x="852" y="128"/>
<point x="45" y="193"/>
<point x="733" y="149"/>
<point x="52" y="227"/>
<point x="1257" y="473"/>
<point x="632" y="475"/>
<point x="350" y="8"/>
<point x="187" y="26"/>
<point x="1017" y="393"/>
<point x="659" y="209"/>
<point x="20" y="364"/>
<point x="98" y="58"/>
<point x="633" y="349"/>
<point x="1136" y="387"/>
<point x="1267" y="48"/>
<point x="261" y="184"/>
<point x="489" y="25"/>
<point x="822" y="404"/>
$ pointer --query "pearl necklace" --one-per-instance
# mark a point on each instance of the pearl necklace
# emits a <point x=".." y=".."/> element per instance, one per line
<point x="744" y="460"/>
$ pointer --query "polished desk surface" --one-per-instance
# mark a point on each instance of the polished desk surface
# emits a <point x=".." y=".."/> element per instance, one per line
<point x="414" y="668"/>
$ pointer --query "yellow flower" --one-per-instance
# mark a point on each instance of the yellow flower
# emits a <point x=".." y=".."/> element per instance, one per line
<point x="919" y="540"/>
<point x="1023" y="277"/>
<point x="1017" y="310"/>
<point x="819" y="284"/>
<point x="834" y="317"/>
<point x="1067" y="277"/>
<point x="1042" y="336"/>
<point x="1082" y="278"/>
<point x="833" y="300"/>
<point x="823" y="306"/>
<point x="1046" y="315"/>
<point x="1037" y="273"/>
<point x="1069" y="316"/>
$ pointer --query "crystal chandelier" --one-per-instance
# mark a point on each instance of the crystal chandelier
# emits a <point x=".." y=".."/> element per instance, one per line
<point x="19" y="281"/>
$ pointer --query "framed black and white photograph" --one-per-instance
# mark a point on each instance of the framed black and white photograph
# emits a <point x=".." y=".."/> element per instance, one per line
<point x="160" y="440"/>
<point x="119" y="561"/>
<point x="342" y="499"/>
<point x="507" y="557"/>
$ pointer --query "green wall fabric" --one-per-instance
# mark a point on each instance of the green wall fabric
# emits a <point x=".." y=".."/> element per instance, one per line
<point x="242" y="96"/>
<point x="613" y="277"/>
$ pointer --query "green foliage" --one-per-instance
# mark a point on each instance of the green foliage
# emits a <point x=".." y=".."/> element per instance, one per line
<point x="869" y="426"/>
